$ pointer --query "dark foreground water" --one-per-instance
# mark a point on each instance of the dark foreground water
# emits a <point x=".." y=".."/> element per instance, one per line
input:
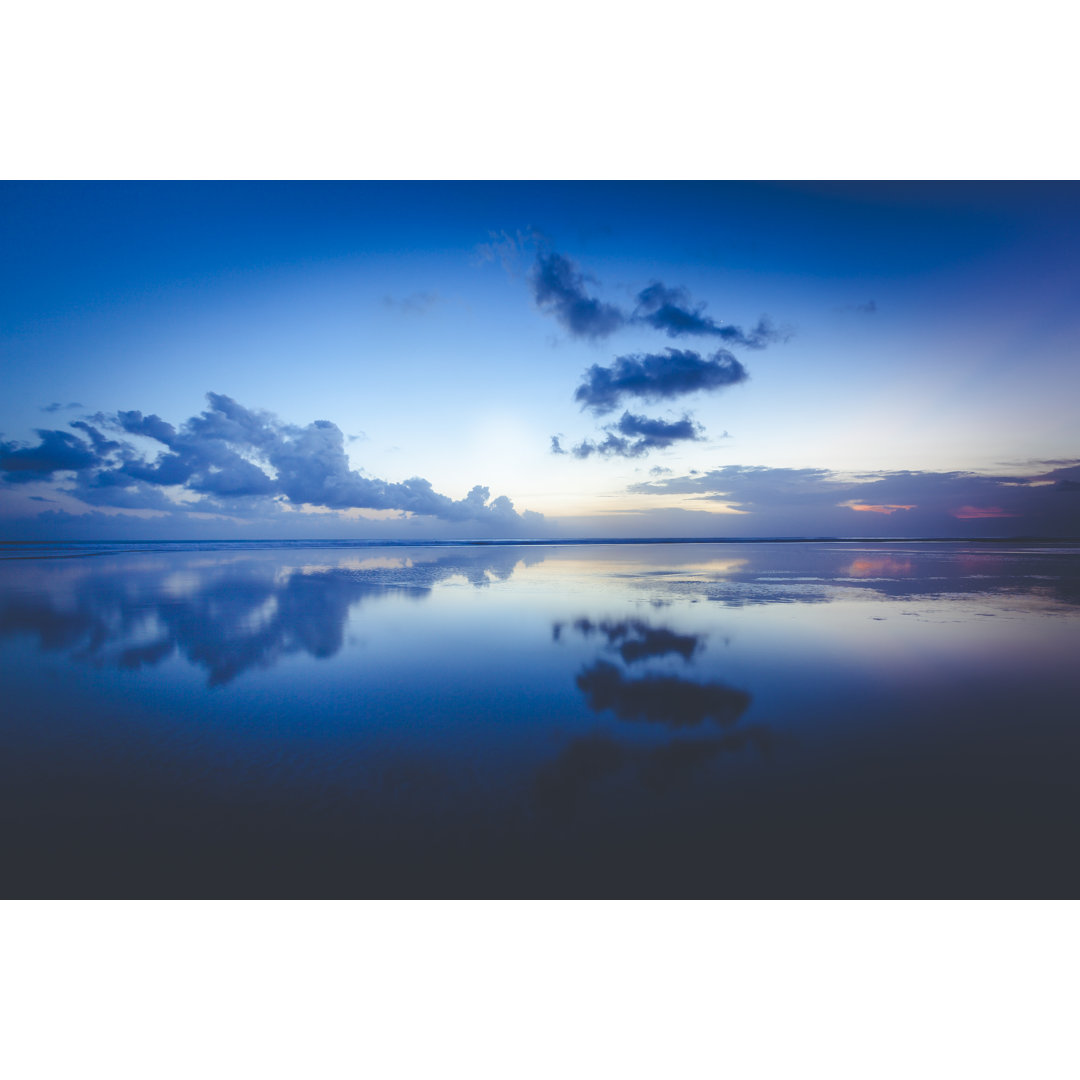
<point x="728" y="720"/>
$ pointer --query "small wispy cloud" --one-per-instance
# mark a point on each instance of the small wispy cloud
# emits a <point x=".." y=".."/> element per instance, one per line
<point x="634" y="436"/>
<point x="416" y="303"/>
<point x="672" y="311"/>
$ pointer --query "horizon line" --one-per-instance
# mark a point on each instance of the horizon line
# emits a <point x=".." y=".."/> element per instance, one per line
<point x="535" y="541"/>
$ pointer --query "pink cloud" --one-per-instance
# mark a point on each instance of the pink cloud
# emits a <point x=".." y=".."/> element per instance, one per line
<point x="966" y="513"/>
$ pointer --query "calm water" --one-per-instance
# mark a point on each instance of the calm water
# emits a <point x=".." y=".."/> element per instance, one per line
<point x="730" y="720"/>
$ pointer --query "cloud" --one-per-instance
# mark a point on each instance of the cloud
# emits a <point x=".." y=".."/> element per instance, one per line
<point x="657" y="377"/>
<point x="657" y="434"/>
<point x="749" y="484"/>
<point x="820" y="502"/>
<point x="965" y="513"/>
<point x="559" y="289"/>
<point x="57" y="407"/>
<point x="58" y="451"/>
<point x="506" y="249"/>
<point x="634" y="436"/>
<point x="671" y="311"/>
<point x="102" y="444"/>
<point x="416" y="303"/>
<point x="869" y="308"/>
<point x="228" y="454"/>
<point x="611" y="446"/>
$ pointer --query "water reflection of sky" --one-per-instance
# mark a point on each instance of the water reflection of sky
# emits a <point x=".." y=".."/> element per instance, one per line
<point x="773" y="719"/>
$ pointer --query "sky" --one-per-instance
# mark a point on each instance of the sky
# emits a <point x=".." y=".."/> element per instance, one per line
<point x="455" y="360"/>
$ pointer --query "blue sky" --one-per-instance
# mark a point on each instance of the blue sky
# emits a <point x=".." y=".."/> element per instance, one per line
<point x="711" y="359"/>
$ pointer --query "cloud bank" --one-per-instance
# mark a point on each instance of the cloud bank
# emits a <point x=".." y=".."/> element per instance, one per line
<point x="820" y="502"/>
<point x="230" y="459"/>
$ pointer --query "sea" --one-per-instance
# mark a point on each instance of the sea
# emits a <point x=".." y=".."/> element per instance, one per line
<point x="797" y="719"/>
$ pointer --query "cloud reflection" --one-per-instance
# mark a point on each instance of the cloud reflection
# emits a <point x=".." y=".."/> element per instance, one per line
<point x="817" y="573"/>
<point x="590" y="763"/>
<point x="224" y="616"/>
<point x="660" y="699"/>
<point x="637" y="640"/>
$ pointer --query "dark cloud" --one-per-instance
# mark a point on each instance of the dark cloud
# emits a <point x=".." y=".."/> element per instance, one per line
<point x="58" y="451"/>
<point x="657" y="434"/>
<point x="611" y="446"/>
<point x="230" y="453"/>
<point x="671" y="311"/>
<point x="634" y="436"/>
<point x="559" y="289"/>
<point x="657" y="377"/>
<point x="101" y="443"/>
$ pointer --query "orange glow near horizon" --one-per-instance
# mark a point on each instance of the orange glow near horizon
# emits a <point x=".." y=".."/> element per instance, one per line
<point x="882" y="508"/>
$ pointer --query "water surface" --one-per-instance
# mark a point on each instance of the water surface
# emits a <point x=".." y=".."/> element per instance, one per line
<point x="793" y="720"/>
